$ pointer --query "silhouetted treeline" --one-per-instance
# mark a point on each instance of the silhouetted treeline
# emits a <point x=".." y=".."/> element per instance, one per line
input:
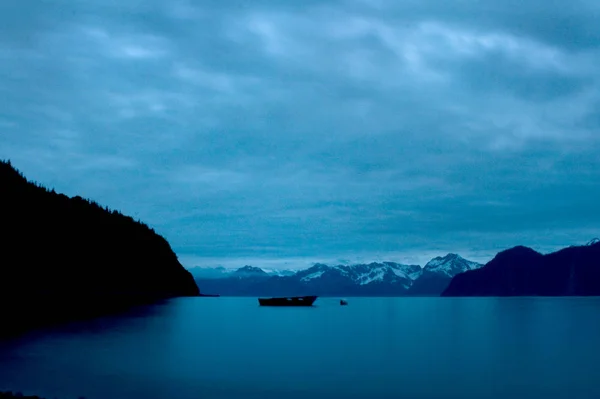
<point x="59" y="255"/>
<point x="521" y="271"/>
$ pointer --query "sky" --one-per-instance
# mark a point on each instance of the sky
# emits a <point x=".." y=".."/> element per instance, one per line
<point x="279" y="133"/>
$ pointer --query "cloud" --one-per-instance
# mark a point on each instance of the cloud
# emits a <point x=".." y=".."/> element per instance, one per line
<point x="339" y="129"/>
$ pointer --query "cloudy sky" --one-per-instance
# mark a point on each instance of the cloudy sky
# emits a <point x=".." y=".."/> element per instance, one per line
<point x="278" y="133"/>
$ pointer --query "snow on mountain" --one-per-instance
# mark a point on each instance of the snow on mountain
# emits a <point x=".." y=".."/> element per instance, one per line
<point x="364" y="274"/>
<point x="450" y="265"/>
<point x="415" y="274"/>
<point x="314" y="275"/>
<point x="281" y="273"/>
<point x="373" y="276"/>
<point x="372" y="279"/>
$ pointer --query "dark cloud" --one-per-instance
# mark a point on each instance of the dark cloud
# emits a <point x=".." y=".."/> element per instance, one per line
<point x="263" y="131"/>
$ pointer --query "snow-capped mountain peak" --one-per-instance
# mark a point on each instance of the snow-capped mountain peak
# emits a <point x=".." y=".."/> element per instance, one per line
<point x="450" y="265"/>
<point x="250" y="272"/>
<point x="250" y="269"/>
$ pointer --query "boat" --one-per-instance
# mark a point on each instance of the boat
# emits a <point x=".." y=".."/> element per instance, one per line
<point x="343" y="302"/>
<point x="288" y="301"/>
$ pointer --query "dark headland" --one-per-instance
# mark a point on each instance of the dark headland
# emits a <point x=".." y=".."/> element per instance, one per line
<point x="65" y="258"/>
<point x="521" y="271"/>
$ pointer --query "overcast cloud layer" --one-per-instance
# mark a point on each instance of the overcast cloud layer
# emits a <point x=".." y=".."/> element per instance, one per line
<point x="284" y="132"/>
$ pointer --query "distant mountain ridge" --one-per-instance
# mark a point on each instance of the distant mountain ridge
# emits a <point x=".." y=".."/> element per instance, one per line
<point x="519" y="271"/>
<point x="223" y="272"/>
<point x="372" y="279"/>
<point x="522" y="271"/>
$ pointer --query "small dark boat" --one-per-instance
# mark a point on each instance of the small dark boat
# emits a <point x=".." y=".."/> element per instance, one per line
<point x="210" y="295"/>
<point x="343" y="302"/>
<point x="288" y="301"/>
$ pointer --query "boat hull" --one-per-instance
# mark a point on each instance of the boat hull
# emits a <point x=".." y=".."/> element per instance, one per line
<point x="288" y="301"/>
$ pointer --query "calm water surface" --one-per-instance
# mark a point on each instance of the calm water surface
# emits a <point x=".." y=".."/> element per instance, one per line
<point x="204" y="348"/>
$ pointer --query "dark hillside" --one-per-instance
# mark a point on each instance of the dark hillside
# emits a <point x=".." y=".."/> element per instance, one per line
<point x="521" y="271"/>
<point x="64" y="257"/>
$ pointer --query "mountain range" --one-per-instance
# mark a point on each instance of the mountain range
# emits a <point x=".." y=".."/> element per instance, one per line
<point x="246" y="271"/>
<point x="373" y="279"/>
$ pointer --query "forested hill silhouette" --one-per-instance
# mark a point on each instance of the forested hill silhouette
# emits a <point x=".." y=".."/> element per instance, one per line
<point x="521" y="271"/>
<point x="62" y="257"/>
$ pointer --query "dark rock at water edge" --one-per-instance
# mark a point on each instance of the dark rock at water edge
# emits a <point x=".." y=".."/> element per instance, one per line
<point x="521" y="271"/>
<point x="11" y="395"/>
<point x="15" y="395"/>
<point x="66" y="258"/>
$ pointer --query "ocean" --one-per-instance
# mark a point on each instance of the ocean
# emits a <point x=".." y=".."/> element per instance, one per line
<point x="421" y="348"/>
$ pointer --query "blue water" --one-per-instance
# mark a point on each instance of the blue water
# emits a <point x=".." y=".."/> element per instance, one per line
<point x="204" y="348"/>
